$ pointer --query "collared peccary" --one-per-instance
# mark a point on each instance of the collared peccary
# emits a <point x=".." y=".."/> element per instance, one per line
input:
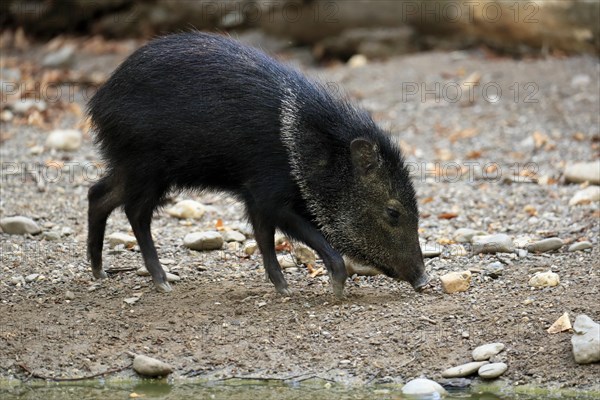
<point x="202" y="111"/>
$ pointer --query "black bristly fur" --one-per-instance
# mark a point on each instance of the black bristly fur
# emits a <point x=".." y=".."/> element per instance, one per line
<point x="202" y="111"/>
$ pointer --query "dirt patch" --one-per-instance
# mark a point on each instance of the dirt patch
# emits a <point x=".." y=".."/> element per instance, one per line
<point x="223" y="319"/>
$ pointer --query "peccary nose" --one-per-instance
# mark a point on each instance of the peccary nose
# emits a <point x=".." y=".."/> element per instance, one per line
<point x="421" y="283"/>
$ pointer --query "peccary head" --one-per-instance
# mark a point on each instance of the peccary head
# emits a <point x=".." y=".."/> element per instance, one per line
<point x="355" y="184"/>
<point x="383" y="228"/>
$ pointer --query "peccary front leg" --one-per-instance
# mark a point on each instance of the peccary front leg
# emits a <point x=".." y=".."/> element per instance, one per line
<point x="301" y="229"/>
<point x="264" y="233"/>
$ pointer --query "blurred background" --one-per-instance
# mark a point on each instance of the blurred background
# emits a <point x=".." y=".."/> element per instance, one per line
<point x="328" y="29"/>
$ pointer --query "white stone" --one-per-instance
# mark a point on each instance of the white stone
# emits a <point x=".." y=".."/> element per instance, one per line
<point x="233" y="236"/>
<point x="580" y="246"/>
<point x="586" y="340"/>
<point x="287" y="261"/>
<point x="172" y="277"/>
<point x="492" y="371"/>
<point x="357" y="60"/>
<point x="187" y="209"/>
<point x="19" y="225"/>
<point x="545" y="245"/>
<point x="465" y="235"/>
<point x="250" y="247"/>
<point x="430" y="251"/>
<point x="64" y="139"/>
<point x="423" y="387"/>
<point x="209" y="240"/>
<point x="60" y="58"/>
<point x="453" y="282"/>
<point x="583" y="172"/>
<point x="148" y="366"/>
<point x="544" y="279"/>
<point x="463" y="370"/>
<point x="117" y="238"/>
<point x="31" y="277"/>
<point x="486" y="351"/>
<point x="23" y="106"/>
<point x="585" y="196"/>
<point x="499" y="243"/>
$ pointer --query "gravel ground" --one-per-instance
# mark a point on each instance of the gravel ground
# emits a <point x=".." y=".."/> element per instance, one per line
<point x="223" y="319"/>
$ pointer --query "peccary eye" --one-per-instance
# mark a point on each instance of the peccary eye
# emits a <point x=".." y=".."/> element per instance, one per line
<point x="393" y="214"/>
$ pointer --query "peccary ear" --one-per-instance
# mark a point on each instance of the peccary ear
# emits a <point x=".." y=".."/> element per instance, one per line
<point x="365" y="155"/>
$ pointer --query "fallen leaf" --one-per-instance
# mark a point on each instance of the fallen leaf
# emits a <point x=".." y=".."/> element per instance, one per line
<point x="463" y="134"/>
<point x="317" y="272"/>
<point x="529" y="209"/>
<point x="448" y="215"/>
<point x="560" y="325"/>
<point x="539" y="139"/>
<point x="474" y="154"/>
<point x="427" y="200"/>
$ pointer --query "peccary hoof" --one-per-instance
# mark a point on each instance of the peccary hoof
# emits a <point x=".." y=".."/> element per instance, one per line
<point x="163" y="287"/>
<point x="338" y="290"/>
<point x="284" y="291"/>
<point x="99" y="274"/>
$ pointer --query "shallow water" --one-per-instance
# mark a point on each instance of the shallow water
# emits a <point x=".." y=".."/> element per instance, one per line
<point x="259" y="390"/>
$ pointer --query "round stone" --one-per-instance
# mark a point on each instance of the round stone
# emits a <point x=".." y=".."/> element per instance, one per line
<point x="423" y="387"/>
<point x="484" y="352"/>
<point x="492" y="371"/>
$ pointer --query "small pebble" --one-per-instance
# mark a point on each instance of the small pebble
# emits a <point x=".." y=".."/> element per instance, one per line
<point x="31" y="277"/>
<point x="494" y="270"/>
<point x="286" y="261"/>
<point x="187" y="209"/>
<point x="491" y="244"/>
<point x="545" y="245"/>
<point x="19" y="225"/>
<point x="131" y="300"/>
<point x="453" y="282"/>
<point x="172" y="277"/>
<point x="148" y="366"/>
<point x="463" y="370"/>
<point x="580" y="246"/>
<point x="486" y="351"/>
<point x="583" y="172"/>
<point x="51" y="235"/>
<point x="250" y="247"/>
<point x="586" y="340"/>
<point x="492" y="371"/>
<point x="233" y="236"/>
<point x="24" y="105"/>
<point x="423" y="387"/>
<point x="61" y="58"/>
<point x="69" y="295"/>
<point x="17" y="280"/>
<point x="117" y="238"/>
<point x="357" y="60"/>
<point x="209" y="240"/>
<point x="465" y="235"/>
<point x="430" y="251"/>
<point x="585" y="196"/>
<point x="64" y="139"/>
<point x="544" y="279"/>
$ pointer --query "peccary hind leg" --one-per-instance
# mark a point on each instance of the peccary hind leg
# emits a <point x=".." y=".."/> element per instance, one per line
<point x="103" y="198"/>
<point x="303" y="230"/>
<point x="140" y="217"/>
